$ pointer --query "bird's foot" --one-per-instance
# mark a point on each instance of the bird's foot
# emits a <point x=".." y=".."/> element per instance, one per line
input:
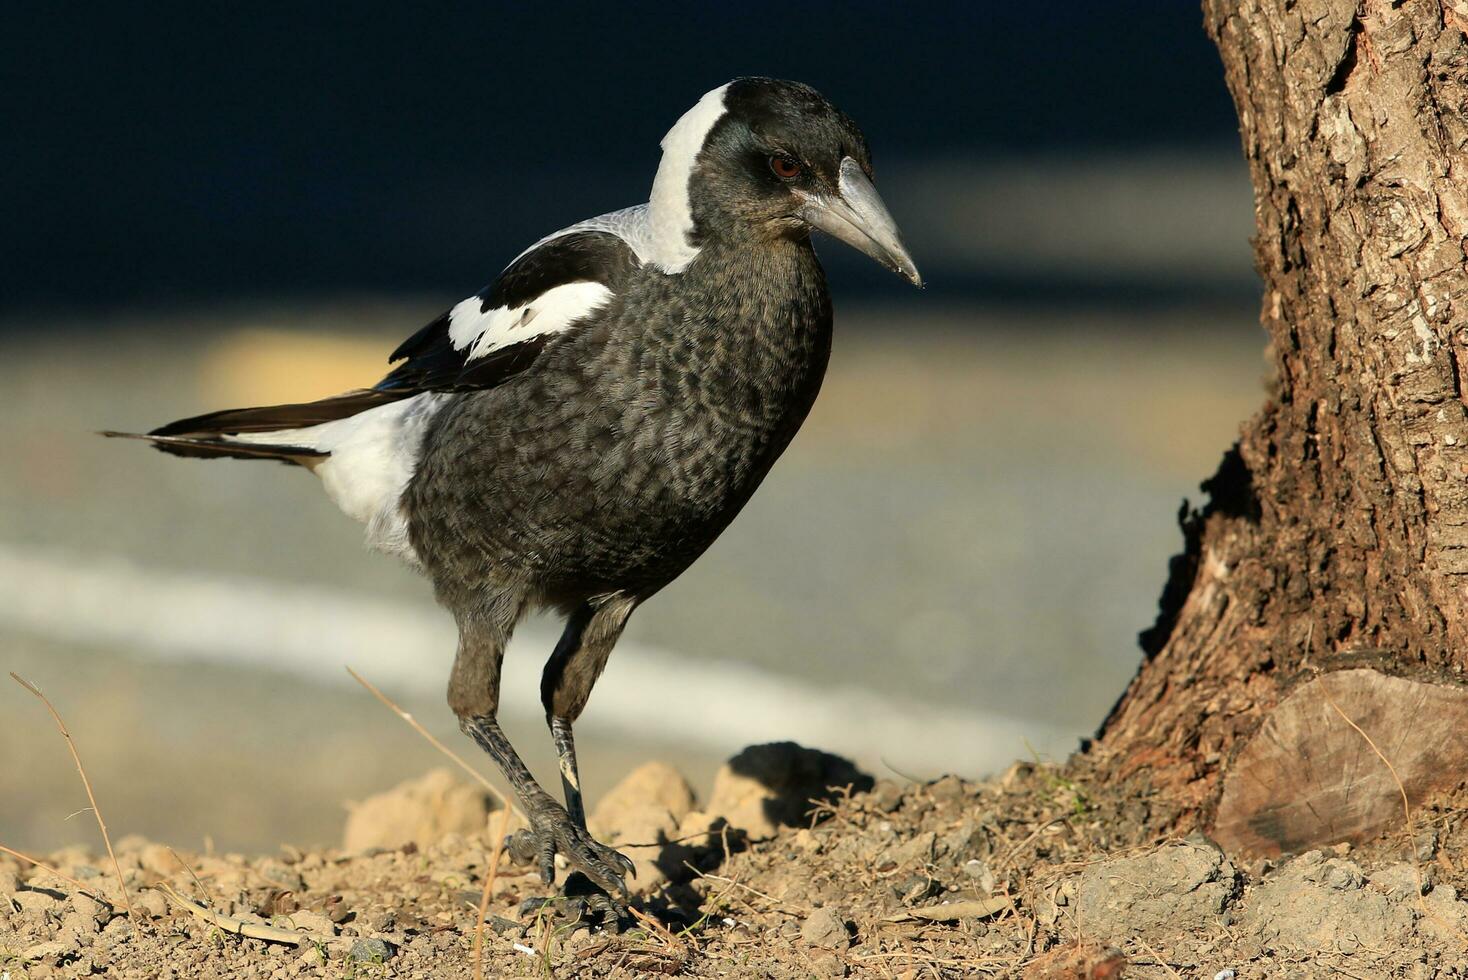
<point x="580" y="905"/>
<point x="552" y="832"/>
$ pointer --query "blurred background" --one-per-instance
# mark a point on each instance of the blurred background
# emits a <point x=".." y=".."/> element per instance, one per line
<point x="208" y="208"/>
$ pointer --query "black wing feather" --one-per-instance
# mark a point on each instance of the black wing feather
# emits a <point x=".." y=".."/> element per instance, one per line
<point x="430" y="361"/>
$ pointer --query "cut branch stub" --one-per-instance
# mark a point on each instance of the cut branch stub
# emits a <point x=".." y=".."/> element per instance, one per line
<point x="1307" y="778"/>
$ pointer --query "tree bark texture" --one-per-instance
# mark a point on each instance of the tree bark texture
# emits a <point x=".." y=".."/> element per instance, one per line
<point x="1336" y="533"/>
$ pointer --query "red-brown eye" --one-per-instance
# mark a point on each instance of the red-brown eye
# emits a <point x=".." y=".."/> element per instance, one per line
<point x="785" y="167"/>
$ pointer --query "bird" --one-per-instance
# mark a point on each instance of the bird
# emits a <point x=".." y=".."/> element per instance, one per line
<point x="575" y="434"/>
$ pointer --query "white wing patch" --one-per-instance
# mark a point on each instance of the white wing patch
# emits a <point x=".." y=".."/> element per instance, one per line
<point x="484" y="332"/>
<point x="373" y="455"/>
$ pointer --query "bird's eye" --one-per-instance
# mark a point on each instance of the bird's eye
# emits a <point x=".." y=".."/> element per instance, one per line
<point x="785" y="167"/>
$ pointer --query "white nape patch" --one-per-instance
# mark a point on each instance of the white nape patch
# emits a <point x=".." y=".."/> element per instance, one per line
<point x="657" y="232"/>
<point x="669" y="219"/>
<point x="373" y="455"/>
<point x="552" y="311"/>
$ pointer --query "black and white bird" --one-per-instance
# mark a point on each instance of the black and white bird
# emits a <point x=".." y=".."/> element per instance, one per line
<point x="577" y="433"/>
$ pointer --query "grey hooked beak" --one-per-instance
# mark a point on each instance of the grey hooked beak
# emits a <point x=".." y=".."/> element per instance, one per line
<point x="860" y="219"/>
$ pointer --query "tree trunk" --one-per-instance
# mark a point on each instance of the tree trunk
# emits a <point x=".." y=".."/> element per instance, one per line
<point x="1336" y="534"/>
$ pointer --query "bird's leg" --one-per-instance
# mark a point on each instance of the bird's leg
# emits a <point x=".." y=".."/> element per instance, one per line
<point x="474" y="697"/>
<point x="570" y="778"/>
<point x="552" y="831"/>
<point x="580" y="654"/>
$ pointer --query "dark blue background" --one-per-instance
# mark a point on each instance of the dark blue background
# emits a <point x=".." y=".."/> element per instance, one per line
<point x="177" y="154"/>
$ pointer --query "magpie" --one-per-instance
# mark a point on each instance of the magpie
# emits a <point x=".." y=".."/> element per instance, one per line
<point x="577" y="433"/>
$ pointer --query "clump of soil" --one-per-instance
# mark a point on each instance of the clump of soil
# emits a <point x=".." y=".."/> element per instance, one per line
<point x="1038" y="873"/>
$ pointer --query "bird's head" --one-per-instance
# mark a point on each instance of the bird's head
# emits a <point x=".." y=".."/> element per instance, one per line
<point x="765" y="158"/>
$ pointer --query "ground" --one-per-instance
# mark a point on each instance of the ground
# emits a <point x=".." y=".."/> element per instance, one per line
<point x="1038" y="873"/>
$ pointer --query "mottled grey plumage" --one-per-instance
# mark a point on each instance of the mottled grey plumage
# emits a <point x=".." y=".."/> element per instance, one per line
<point x="582" y="456"/>
<point x="634" y="440"/>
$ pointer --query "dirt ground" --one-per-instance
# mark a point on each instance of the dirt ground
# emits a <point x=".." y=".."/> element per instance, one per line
<point x="1038" y="873"/>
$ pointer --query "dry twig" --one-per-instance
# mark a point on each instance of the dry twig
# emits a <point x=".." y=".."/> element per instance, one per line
<point x="450" y="753"/>
<point x="43" y="866"/>
<point x="494" y="869"/>
<point x="87" y="783"/>
<point x="239" y="927"/>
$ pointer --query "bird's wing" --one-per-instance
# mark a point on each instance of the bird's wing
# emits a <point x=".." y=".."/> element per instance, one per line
<point x="489" y="337"/>
<point x="500" y="330"/>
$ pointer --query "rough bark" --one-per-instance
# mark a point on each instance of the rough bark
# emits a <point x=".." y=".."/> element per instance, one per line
<point x="1336" y="534"/>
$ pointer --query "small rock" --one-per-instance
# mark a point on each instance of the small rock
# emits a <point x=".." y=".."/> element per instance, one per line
<point x="9" y="882"/>
<point x="52" y="949"/>
<point x="918" y="852"/>
<point x="79" y="925"/>
<point x="152" y="903"/>
<point x="338" y="911"/>
<point x="948" y="789"/>
<point x="371" y="951"/>
<point x="281" y="876"/>
<point x="826" y="929"/>
<point x="979" y="871"/>
<point x="87" y="906"/>
<point x="650" y="784"/>
<point x="159" y="860"/>
<point x="505" y="927"/>
<point x="967" y="841"/>
<point x="1303" y="908"/>
<point x="1342" y="876"/>
<point x="1398" y="882"/>
<point x="1446" y="918"/>
<point x="917" y="888"/>
<point x="1017" y="774"/>
<point x="887" y="796"/>
<point x="34" y="901"/>
<point x="1174" y="888"/>
<point x="312" y="922"/>
<point x="645" y="835"/>
<point x="767" y="786"/>
<point x="420" y="811"/>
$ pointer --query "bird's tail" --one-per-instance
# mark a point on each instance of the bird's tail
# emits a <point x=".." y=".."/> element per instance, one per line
<point x="267" y="432"/>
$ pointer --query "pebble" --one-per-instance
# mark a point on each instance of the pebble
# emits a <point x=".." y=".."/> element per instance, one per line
<point x="34" y="901"/>
<point x="371" y="951"/>
<point x="312" y="922"/>
<point x="1342" y="877"/>
<point x="887" y="796"/>
<point x="917" y="851"/>
<point x="86" y="906"/>
<point x="505" y="927"/>
<point x="948" y="789"/>
<point x="154" y="904"/>
<point x="282" y="876"/>
<point x="826" y="929"/>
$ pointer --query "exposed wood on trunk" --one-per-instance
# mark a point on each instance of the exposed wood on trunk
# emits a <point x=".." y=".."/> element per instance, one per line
<point x="1337" y="529"/>
<point x="1310" y="777"/>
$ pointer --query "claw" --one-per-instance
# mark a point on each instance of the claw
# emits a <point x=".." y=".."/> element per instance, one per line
<point x="553" y="832"/>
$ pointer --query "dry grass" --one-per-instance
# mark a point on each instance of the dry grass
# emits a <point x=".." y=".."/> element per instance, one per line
<point x="489" y="879"/>
<point x="505" y="801"/>
<point x="87" y="783"/>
